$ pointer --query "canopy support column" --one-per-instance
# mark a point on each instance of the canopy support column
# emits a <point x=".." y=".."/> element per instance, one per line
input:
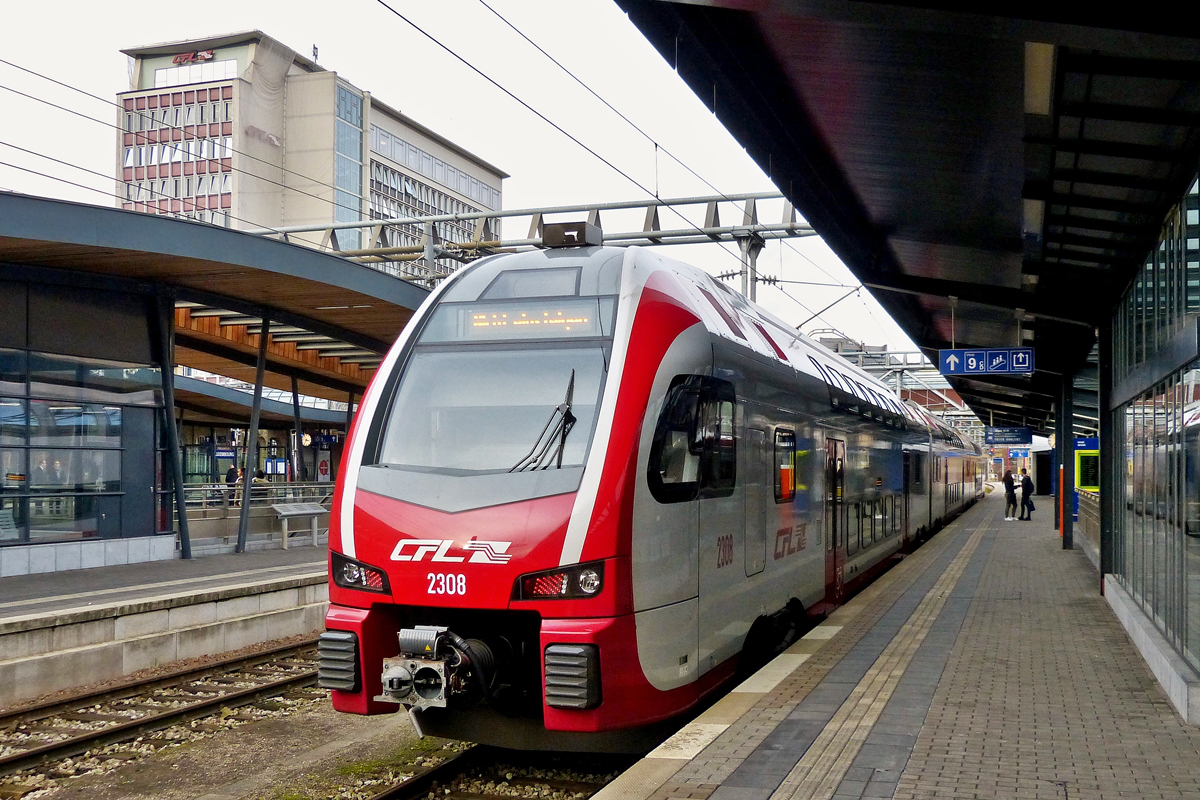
<point x="1109" y="461"/>
<point x="252" y="436"/>
<point x="298" y="468"/>
<point x="1066" y="462"/>
<point x="165" y="316"/>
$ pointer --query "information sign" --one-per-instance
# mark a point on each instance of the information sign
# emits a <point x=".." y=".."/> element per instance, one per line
<point x="1014" y="453"/>
<point x="1002" y="361"/>
<point x="1007" y="435"/>
<point x="224" y="452"/>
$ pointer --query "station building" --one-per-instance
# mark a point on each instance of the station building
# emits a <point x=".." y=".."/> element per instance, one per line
<point x="101" y="309"/>
<point x="242" y="131"/>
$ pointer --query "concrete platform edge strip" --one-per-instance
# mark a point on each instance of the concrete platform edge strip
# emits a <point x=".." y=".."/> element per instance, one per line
<point x="1178" y="680"/>
<point x="54" y="619"/>
<point x="37" y="675"/>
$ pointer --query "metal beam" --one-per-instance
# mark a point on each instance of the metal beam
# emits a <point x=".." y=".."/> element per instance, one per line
<point x="285" y="317"/>
<point x="1097" y="147"/>
<point x="1127" y="113"/>
<point x="980" y="294"/>
<point x="165" y="318"/>
<point x="239" y="357"/>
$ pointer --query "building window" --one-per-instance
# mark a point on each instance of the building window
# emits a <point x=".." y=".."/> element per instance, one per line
<point x="196" y="73"/>
<point x="433" y="168"/>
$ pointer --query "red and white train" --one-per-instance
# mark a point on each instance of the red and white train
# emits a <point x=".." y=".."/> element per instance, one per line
<point x="586" y="483"/>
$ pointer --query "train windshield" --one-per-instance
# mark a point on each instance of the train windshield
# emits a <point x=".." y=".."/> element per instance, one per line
<point x="474" y="410"/>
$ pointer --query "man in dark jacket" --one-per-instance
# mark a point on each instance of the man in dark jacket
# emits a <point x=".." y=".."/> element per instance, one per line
<point x="1026" y="497"/>
<point x="1010" y="496"/>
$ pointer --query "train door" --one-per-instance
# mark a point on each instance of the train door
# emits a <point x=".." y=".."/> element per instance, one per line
<point x="759" y="496"/>
<point x="904" y="531"/>
<point x="722" y="524"/>
<point x="835" y="485"/>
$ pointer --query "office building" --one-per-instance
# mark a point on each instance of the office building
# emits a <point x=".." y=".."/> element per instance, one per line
<point x="242" y="131"/>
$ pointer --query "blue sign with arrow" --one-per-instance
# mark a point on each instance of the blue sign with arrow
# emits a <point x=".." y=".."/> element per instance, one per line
<point x="996" y="361"/>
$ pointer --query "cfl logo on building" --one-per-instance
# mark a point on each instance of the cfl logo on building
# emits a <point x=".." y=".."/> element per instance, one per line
<point x="193" y="57"/>
<point x="482" y="552"/>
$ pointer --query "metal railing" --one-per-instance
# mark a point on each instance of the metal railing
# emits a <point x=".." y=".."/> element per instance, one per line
<point x="1088" y="526"/>
<point x="202" y="499"/>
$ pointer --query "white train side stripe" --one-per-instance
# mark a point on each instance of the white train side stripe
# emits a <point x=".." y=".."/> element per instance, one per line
<point x="585" y="498"/>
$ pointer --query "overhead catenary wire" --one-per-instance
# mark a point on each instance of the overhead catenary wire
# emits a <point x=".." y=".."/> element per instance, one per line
<point x="541" y="116"/>
<point x="180" y="128"/>
<point x="437" y="42"/>
<point x="657" y="145"/>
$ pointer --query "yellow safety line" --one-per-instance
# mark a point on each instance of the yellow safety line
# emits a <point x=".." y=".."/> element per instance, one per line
<point x="822" y="768"/>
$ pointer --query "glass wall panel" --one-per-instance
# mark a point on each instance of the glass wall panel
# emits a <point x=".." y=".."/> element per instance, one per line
<point x="93" y="380"/>
<point x="62" y="443"/>
<point x="67" y="424"/>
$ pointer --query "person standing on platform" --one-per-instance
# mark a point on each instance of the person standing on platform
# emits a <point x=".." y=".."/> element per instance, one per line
<point x="231" y="482"/>
<point x="1026" y="497"/>
<point x="1010" y="496"/>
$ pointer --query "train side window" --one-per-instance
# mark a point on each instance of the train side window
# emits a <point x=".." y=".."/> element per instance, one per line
<point x="694" y="452"/>
<point x="785" y="465"/>
<point x="718" y="465"/>
<point x="918" y="469"/>
<point x="674" y="469"/>
<point x="881" y="519"/>
<point x="854" y="534"/>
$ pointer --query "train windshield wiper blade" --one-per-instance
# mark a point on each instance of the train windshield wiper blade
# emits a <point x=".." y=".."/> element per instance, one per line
<point x="556" y="429"/>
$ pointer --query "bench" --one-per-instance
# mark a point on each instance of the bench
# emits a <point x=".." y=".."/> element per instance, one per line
<point x="309" y="511"/>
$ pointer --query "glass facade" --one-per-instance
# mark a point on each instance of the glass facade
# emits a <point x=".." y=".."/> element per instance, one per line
<point x="394" y="194"/>
<point x="1156" y="528"/>
<point x="69" y="429"/>
<point x="349" y="166"/>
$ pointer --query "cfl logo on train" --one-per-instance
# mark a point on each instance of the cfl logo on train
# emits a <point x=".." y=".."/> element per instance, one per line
<point x="482" y="552"/>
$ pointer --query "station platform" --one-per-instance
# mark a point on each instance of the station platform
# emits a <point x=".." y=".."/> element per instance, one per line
<point x="99" y="624"/>
<point x="984" y="665"/>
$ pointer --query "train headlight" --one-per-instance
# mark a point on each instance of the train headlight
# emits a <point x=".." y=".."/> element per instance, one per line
<point x="588" y="581"/>
<point x="583" y="580"/>
<point x="352" y="574"/>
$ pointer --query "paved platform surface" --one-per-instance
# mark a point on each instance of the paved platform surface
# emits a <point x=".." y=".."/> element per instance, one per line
<point x="56" y="592"/>
<point x="985" y="665"/>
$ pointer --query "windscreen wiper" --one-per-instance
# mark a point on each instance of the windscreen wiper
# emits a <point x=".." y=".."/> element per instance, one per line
<point x="555" y="430"/>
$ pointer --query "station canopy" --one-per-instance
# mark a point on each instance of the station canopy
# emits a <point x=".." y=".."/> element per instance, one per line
<point x="1011" y="167"/>
<point x="331" y="320"/>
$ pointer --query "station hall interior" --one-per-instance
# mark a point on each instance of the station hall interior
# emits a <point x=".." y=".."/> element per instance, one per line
<point x="1016" y="176"/>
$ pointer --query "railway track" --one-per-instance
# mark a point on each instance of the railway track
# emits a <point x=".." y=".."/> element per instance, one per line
<point x="56" y="731"/>
<point x="488" y="773"/>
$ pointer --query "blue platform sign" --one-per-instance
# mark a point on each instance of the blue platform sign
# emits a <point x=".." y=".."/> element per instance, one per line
<point x="1007" y="435"/>
<point x="1014" y="453"/>
<point x="1003" y="361"/>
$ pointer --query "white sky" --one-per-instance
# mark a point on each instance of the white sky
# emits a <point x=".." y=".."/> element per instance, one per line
<point x="78" y="42"/>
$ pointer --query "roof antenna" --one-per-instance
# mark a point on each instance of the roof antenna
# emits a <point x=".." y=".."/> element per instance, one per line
<point x="314" y="53"/>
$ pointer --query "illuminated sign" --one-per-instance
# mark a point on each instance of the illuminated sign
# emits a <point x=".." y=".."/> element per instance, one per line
<point x="193" y="57"/>
<point x="541" y="318"/>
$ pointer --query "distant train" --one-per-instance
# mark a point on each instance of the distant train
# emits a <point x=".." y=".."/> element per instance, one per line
<point x="588" y="483"/>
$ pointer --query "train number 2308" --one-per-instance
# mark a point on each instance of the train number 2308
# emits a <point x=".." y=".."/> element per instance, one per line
<point x="443" y="583"/>
<point x="724" y="551"/>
